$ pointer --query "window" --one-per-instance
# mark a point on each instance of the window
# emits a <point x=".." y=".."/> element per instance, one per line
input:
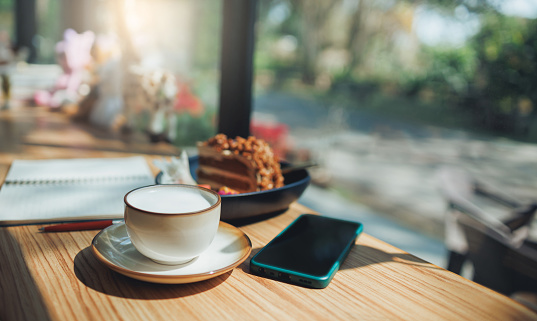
<point x="162" y="54"/>
<point x="383" y="93"/>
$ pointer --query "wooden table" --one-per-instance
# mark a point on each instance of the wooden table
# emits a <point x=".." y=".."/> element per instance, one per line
<point x="54" y="276"/>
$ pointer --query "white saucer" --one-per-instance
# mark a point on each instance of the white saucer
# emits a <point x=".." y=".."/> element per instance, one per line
<point x="113" y="247"/>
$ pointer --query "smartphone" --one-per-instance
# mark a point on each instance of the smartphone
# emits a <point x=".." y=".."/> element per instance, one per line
<point x="308" y="252"/>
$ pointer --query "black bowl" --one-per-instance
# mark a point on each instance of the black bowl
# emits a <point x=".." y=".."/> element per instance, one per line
<point x="248" y="205"/>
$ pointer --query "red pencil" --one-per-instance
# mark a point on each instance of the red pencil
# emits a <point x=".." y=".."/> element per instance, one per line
<point x="79" y="226"/>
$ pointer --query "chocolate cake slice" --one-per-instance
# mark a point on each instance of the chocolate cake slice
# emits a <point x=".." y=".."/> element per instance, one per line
<point x="244" y="165"/>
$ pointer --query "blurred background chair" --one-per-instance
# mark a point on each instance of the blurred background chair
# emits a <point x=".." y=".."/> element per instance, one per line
<point x="489" y="229"/>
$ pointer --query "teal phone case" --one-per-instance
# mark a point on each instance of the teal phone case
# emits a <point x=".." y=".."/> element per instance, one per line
<point x="277" y="272"/>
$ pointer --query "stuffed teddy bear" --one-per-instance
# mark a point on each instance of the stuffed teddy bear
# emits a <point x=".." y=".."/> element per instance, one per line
<point x="74" y="56"/>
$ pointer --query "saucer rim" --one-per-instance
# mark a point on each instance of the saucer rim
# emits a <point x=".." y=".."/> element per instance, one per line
<point x="174" y="279"/>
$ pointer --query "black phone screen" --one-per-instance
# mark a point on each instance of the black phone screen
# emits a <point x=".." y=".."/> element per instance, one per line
<point x="311" y="245"/>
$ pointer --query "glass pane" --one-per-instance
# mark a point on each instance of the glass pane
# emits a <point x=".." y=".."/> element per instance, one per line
<point x="49" y="31"/>
<point x="382" y="94"/>
<point x="153" y="65"/>
<point x="6" y="16"/>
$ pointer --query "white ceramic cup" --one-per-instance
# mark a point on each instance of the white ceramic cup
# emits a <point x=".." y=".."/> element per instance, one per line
<point x="172" y="224"/>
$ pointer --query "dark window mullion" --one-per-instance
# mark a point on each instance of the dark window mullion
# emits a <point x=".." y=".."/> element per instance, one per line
<point x="26" y="26"/>
<point x="236" y="67"/>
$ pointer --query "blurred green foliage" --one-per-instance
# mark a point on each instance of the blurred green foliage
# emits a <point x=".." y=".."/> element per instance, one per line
<point x="190" y="129"/>
<point x="6" y="5"/>
<point x="505" y="85"/>
<point x="365" y="54"/>
<point x="48" y="31"/>
<point x="6" y="15"/>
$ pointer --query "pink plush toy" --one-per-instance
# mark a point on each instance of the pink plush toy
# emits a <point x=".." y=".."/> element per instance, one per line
<point x="73" y="55"/>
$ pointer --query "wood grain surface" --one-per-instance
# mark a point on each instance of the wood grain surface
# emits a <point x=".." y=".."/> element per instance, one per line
<point x="55" y="276"/>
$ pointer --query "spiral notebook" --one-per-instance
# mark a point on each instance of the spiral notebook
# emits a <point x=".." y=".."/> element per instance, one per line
<point x="62" y="190"/>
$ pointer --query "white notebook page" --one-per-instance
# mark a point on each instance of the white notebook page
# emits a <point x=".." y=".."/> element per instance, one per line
<point x="69" y="189"/>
